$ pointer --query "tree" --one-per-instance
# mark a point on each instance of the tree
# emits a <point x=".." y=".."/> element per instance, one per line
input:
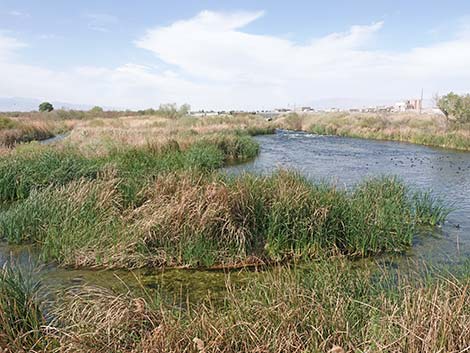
<point x="96" y="110"/>
<point x="46" y="107"/>
<point x="184" y="109"/>
<point x="171" y="111"/>
<point x="455" y="107"/>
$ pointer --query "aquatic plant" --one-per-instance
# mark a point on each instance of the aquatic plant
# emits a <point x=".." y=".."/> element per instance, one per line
<point x="16" y="130"/>
<point x="312" y="309"/>
<point x="429" y="209"/>
<point x="430" y="130"/>
<point x="35" y="167"/>
<point x="200" y="219"/>
<point x="21" y="318"/>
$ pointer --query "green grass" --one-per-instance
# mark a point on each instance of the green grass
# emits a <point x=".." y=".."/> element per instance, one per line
<point x="201" y="219"/>
<point x="21" y="318"/>
<point x="36" y="167"/>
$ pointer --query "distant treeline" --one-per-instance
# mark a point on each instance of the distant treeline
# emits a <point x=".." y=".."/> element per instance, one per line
<point x="165" y="110"/>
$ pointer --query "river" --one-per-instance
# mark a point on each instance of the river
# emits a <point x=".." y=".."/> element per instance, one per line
<point x="346" y="161"/>
<point x="338" y="160"/>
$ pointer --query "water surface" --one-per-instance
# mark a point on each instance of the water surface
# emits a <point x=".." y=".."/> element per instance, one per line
<point x="347" y="161"/>
<point x="338" y="160"/>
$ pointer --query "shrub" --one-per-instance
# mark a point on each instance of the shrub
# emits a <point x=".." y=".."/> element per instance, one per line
<point x="7" y="123"/>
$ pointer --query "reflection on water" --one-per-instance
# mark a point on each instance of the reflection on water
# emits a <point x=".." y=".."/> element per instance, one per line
<point x="343" y="161"/>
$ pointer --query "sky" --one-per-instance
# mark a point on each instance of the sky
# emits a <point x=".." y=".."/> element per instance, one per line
<point x="240" y="54"/>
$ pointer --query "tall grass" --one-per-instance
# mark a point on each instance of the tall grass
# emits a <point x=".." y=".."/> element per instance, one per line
<point x="16" y="130"/>
<point x="99" y="320"/>
<point x="200" y="219"/>
<point x="21" y="318"/>
<point x="36" y="167"/>
<point x="430" y="130"/>
<point x="312" y="309"/>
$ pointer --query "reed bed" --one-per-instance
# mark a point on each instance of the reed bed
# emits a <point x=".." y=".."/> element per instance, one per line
<point x="198" y="219"/>
<point x="430" y="130"/>
<point x="134" y="192"/>
<point x="99" y="136"/>
<point x="21" y="318"/>
<point x="17" y="130"/>
<point x="328" y="306"/>
<point x="35" y="167"/>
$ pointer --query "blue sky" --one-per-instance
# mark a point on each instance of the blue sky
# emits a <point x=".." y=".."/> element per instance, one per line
<point x="231" y="54"/>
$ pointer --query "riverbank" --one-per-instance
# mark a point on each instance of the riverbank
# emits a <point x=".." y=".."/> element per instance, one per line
<point x="203" y="220"/>
<point x="19" y="130"/>
<point x="146" y="192"/>
<point x="429" y="130"/>
<point x="331" y="303"/>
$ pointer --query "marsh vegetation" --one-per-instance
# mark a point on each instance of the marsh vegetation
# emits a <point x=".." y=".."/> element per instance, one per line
<point x="425" y="129"/>
<point x="146" y="192"/>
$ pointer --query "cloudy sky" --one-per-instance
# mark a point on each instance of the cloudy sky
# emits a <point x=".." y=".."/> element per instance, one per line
<point x="240" y="54"/>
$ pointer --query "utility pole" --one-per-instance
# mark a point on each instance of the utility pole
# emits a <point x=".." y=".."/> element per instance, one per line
<point x="421" y="102"/>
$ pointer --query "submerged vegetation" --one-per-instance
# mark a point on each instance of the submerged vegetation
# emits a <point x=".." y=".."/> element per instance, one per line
<point x="430" y="130"/>
<point x="330" y="303"/>
<point x="132" y="192"/>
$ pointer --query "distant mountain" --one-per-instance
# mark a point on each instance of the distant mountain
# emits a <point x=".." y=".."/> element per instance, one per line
<point x="21" y="104"/>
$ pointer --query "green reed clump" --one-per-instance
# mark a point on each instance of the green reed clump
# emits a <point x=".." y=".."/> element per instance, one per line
<point x="137" y="167"/>
<point x="189" y="219"/>
<point x="235" y="147"/>
<point x="21" y="318"/>
<point x="429" y="210"/>
<point x="381" y="218"/>
<point x="37" y="167"/>
<point x="68" y="221"/>
<point x="203" y="219"/>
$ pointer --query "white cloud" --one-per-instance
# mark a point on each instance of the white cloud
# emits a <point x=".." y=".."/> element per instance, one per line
<point x="216" y="63"/>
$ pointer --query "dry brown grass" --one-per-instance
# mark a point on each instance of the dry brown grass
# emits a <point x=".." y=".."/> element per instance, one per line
<point x="425" y="129"/>
<point x="91" y="319"/>
<point x="284" y="312"/>
<point x="102" y="135"/>
<point x="285" y="317"/>
<point x="25" y="130"/>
